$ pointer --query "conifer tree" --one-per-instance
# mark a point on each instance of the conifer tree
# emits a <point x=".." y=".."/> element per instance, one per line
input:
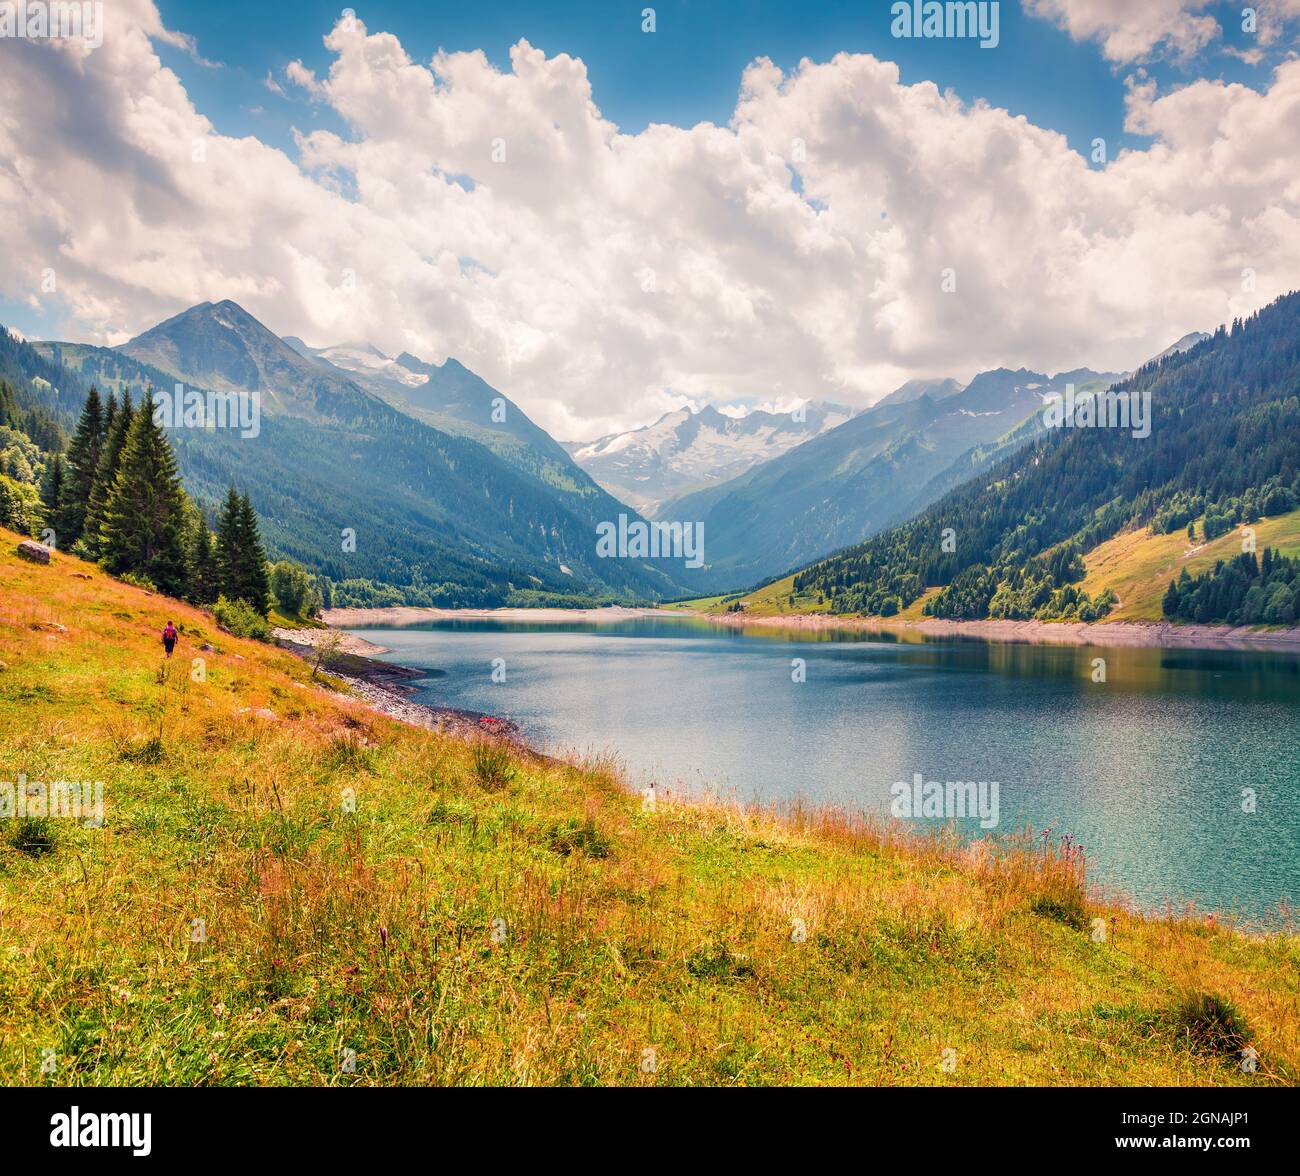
<point x="259" y="575"/>
<point x="229" y="559"/>
<point x="204" y="571"/>
<point x="144" y="517"/>
<point x="110" y="459"/>
<point x="1170" y="603"/>
<point x="110" y="413"/>
<point x="83" y="461"/>
<point x="240" y="554"/>
<point x="52" y="490"/>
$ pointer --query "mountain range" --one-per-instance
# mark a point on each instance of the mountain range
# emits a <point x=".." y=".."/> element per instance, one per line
<point x="438" y="516"/>
<point x="458" y="498"/>
<point x="875" y="469"/>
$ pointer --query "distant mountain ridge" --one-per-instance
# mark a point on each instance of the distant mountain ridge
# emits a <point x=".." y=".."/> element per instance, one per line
<point x="689" y="449"/>
<point x="865" y="474"/>
<point x="448" y="396"/>
<point x="936" y="389"/>
<point x="1186" y="343"/>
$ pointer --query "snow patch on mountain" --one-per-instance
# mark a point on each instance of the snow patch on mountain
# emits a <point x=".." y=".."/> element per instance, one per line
<point x="691" y="448"/>
<point x="362" y="359"/>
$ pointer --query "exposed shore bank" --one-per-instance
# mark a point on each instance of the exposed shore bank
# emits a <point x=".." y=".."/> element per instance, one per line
<point x="399" y="615"/>
<point x="1153" y="634"/>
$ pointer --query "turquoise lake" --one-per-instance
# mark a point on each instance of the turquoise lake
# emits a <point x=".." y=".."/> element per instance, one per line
<point x="1152" y="770"/>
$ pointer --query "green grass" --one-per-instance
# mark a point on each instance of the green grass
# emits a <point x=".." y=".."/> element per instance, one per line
<point x="279" y="619"/>
<point x="266" y="893"/>
<point x="774" y="600"/>
<point x="1137" y="566"/>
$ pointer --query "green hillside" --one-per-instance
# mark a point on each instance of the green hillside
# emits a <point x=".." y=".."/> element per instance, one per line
<point x="280" y="876"/>
<point x="1137" y="565"/>
<point x="1223" y="448"/>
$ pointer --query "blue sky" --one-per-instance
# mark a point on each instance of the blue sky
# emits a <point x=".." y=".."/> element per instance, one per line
<point x="687" y="71"/>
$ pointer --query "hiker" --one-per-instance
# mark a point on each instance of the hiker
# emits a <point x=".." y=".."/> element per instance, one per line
<point x="169" y="638"/>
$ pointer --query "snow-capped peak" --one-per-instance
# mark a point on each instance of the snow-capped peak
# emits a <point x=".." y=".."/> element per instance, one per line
<point x="692" y="447"/>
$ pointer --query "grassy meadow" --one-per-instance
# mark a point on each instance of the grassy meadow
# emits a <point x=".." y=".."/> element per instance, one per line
<point x="1137" y="566"/>
<point x="288" y="888"/>
<point x="772" y="600"/>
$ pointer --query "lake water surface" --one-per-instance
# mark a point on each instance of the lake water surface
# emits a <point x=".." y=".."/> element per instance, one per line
<point x="1147" y="769"/>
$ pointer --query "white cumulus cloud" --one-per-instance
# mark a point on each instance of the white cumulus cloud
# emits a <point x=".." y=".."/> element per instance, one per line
<point x="1138" y="30"/>
<point x="1130" y="30"/>
<point x="844" y="232"/>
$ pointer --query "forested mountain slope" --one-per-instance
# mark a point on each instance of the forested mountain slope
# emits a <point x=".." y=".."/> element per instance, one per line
<point x="437" y="519"/>
<point x="1224" y="449"/>
<point x="456" y="400"/>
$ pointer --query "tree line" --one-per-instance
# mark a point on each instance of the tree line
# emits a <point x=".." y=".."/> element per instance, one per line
<point x="1244" y="590"/>
<point x="116" y="498"/>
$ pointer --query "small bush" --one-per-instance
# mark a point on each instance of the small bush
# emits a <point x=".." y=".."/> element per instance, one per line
<point x="568" y="836"/>
<point x="718" y="962"/>
<point x="493" y="765"/>
<point x="240" y="619"/>
<point x="1209" y="1024"/>
<point x="1064" y="906"/>
<point x="138" y="581"/>
<point x="33" y="835"/>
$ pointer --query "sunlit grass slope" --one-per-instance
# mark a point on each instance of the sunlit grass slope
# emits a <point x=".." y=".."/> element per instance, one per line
<point x="282" y="877"/>
<point x="1137" y="566"/>
<point x="773" y="600"/>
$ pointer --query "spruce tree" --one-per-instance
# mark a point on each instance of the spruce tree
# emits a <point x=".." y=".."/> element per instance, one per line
<point x="259" y="576"/>
<point x="229" y="548"/>
<point x="106" y="475"/>
<point x="83" y="461"/>
<point x="144" y="517"/>
<point x="240" y="555"/>
<point x="1169" y="606"/>
<point x="110" y="413"/>
<point x="52" y="491"/>
<point x="204" y="570"/>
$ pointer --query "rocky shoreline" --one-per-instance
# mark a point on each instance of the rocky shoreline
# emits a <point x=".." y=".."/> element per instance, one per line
<point x="386" y="687"/>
